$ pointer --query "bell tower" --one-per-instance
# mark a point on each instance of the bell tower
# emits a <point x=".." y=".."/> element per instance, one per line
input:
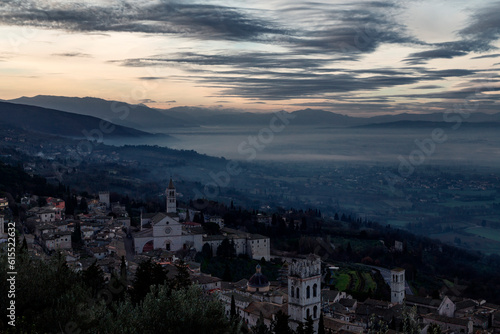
<point x="304" y="291"/>
<point x="397" y="285"/>
<point x="171" y="198"/>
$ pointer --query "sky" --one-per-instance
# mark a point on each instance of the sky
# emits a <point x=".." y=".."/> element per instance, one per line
<point x="352" y="57"/>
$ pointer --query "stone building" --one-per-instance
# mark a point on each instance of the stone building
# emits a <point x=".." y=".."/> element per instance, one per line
<point x="304" y="291"/>
<point x="397" y="285"/>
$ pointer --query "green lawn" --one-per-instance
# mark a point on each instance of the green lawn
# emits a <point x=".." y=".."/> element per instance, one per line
<point x="352" y="279"/>
<point x="356" y="284"/>
<point x="341" y="281"/>
<point x="370" y="284"/>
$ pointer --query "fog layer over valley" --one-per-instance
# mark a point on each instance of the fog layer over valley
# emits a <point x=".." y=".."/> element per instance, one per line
<point x="431" y="174"/>
<point x="469" y="145"/>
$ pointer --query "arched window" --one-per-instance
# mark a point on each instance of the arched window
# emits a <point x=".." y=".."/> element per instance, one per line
<point x="292" y="294"/>
<point x="308" y="292"/>
<point x="298" y="295"/>
<point x="315" y="290"/>
<point x="308" y="313"/>
<point x="315" y="312"/>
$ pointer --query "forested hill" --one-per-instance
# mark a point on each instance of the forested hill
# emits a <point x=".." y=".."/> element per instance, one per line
<point x="60" y="123"/>
<point x="15" y="182"/>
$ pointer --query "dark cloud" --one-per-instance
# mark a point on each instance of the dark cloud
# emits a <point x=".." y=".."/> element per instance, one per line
<point x="186" y="19"/>
<point x="496" y="55"/>
<point x="481" y="31"/>
<point x="422" y="57"/>
<point x="428" y="87"/>
<point x="484" y="25"/>
<point x="147" y="101"/>
<point x="273" y="76"/>
<point x="72" y="54"/>
<point x="284" y="86"/>
<point x="151" y="78"/>
<point x="440" y="74"/>
<point x="246" y="60"/>
<point x="358" y="29"/>
<point x="383" y="71"/>
<point x="313" y="40"/>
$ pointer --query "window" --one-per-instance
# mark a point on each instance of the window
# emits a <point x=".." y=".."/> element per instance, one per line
<point x="308" y="292"/>
<point x="292" y="294"/>
<point x="315" y="312"/>
<point x="315" y="290"/>
<point x="308" y="313"/>
<point x="298" y="295"/>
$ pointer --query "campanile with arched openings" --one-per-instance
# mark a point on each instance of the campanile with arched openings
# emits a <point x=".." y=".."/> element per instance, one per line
<point x="171" y="198"/>
<point x="397" y="285"/>
<point x="304" y="291"/>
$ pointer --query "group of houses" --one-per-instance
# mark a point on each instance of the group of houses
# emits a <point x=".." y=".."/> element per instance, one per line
<point x="105" y="231"/>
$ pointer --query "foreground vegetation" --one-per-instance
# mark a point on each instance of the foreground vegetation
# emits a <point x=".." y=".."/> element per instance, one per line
<point x="51" y="298"/>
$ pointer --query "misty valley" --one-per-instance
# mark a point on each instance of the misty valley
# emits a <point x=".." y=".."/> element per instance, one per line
<point x="444" y="185"/>
<point x="448" y="189"/>
<point x="431" y="174"/>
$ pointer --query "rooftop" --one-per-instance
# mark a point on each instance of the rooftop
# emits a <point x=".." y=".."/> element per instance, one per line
<point x="446" y="320"/>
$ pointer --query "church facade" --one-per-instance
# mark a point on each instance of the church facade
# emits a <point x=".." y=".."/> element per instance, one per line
<point x="168" y="233"/>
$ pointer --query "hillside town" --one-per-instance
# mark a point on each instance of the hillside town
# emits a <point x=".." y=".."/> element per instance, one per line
<point x="107" y="239"/>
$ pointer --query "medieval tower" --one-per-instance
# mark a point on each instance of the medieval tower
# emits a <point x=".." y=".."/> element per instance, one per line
<point x="397" y="285"/>
<point x="104" y="198"/>
<point x="304" y="291"/>
<point x="171" y="198"/>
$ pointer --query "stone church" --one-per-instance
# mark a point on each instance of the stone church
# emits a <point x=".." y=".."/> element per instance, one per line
<point x="168" y="233"/>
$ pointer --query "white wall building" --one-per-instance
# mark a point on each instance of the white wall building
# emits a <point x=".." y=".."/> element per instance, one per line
<point x="397" y="285"/>
<point x="59" y="240"/>
<point x="217" y="220"/>
<point x="168" y="233"/>
<point x="256" y="246"/>
<point x="2" y="227"/>
<point x="304" y="291"/>
<point x="104" y="198"/>
<point x="171" y="198"/>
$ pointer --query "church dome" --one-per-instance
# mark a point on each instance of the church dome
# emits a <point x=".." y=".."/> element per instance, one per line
<point x="258" y="282"/>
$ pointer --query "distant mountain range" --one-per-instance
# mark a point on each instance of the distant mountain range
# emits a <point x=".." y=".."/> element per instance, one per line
<point x="160" y="120"/>
<point x="138" y="116"/>
<point x="60" y="123"/>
